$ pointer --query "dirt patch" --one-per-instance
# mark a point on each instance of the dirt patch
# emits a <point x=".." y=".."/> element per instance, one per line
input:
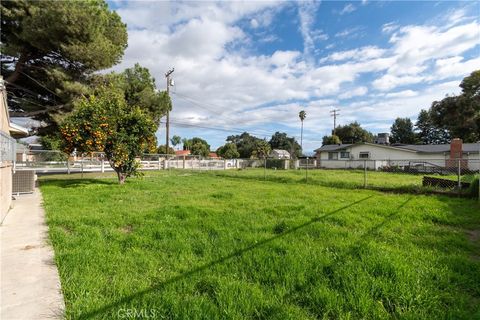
<point x="473" y="235"/>
<point x="127" y="229"/>
<point x="66" y="230"/>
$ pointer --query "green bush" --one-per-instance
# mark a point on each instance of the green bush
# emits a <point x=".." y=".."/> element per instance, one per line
<point x="473" y="189"/>
<point x="275" y="163"/>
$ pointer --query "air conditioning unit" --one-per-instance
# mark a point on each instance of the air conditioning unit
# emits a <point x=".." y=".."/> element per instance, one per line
<point x="23" y="181"/>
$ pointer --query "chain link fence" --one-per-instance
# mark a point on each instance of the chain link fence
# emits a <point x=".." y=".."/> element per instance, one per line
<point x="443" y="175"/>
<point x="7" y="148"/>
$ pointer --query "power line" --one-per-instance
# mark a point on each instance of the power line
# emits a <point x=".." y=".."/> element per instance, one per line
<point x="199" y="104"/>
<point x="334" y="114"/>
<point x="188" y="125"/>
<point x="203" y="106"/>
<point x="41" y="85"/>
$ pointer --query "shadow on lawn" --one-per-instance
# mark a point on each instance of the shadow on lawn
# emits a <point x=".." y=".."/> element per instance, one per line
<point x="234" y="254"/>
<point x="344" y="184"/>
<point x="74" y="183"/>
<point x="353" y="250"/>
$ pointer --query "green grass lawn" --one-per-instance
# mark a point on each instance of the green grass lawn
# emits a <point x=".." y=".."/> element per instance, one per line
<point x="375" y="180"/>
<point x="185" y="245"/>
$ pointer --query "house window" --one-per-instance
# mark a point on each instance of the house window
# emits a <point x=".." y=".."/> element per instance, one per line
<point x="345" y="155"/>
<point x="333" y="156"/>
<point x="364" y="155"/>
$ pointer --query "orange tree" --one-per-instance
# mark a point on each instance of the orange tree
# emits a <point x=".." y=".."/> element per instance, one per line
<point x="103" y="122"/>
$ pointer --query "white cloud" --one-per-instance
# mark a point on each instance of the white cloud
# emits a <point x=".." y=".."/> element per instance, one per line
<point x="359" y="54"/>
<point x="348" y="8"/>
<point x="360" y="91"/>
<point x="402" y="94"/>
<point x="448" y="67"/>
<point x="389" y="82"/>
<point x="306" y="13"/>
<point x="197" y="39"/>
<point x="389" y="27"/>
<point x="350" y="32"/>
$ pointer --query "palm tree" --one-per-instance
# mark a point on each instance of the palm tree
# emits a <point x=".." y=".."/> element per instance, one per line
<point x="302" y="115"/>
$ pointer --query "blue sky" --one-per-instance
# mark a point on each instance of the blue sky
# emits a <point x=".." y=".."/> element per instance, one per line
<point x="252" y="66"/>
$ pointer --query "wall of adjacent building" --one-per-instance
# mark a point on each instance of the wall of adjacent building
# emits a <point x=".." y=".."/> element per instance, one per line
<point x="6" y="167"/>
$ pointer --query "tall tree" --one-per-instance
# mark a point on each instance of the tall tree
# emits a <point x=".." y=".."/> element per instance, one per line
<point x="302" y="115"/>
<point x="245" y="143"/>
<point x="197" y="146"/>
<point x="333" y="139"/>
<point x="139" y="89"/>
<point x="187" y="144"/>
<point x="262" y="149"/>
<point x="228" y="151"/>
<point x="50" y="48"/>
<point x="402" y="131"/>
<point x="163" y="150"/>
<point x="353" y="133"/>
<point x="460" y="115"/>
<point x="175" y="140"/>
<point x="280" y="140"/>
<point x="427" y="133"/>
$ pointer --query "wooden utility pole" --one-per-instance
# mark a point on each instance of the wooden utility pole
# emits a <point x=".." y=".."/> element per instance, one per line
<point x="334" y="114"/>
<point x="167" y="136"/>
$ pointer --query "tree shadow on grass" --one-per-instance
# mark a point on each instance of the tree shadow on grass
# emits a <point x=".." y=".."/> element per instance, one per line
<point x="75" y="183"/>
<point x="344" y="184"/>
<point x="201" y="268"/>
<point x="354" y="250"/>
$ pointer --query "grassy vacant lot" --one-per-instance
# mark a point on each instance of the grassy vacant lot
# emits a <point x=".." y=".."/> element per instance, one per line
<point x="182" y="245"/>
<point x="375" y="180"/>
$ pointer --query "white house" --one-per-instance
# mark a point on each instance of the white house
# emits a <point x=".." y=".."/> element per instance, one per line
<point x="279" y="154"/>
<point x="376" y="156"/>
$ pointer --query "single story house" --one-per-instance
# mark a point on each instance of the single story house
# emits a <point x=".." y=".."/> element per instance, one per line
<point x="181" y="153"/>
<point x="279" y="154"/>
<point x="376" y="156"/>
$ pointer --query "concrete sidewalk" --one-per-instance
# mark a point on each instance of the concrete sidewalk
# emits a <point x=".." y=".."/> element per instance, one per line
<point x="29" y="281"/>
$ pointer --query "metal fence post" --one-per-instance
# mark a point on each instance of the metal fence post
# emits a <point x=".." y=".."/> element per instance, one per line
<point x="306" y="172"/>
<point x="364" y="173"/>
<point x="459" y="173"/>
<point x="265" y="168"/>
<point x="82" y="165"/>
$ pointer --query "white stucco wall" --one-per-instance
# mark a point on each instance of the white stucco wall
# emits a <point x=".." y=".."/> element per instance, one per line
<point x="382" y="156"/>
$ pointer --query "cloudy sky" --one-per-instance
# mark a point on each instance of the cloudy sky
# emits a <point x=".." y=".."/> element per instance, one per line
<point x="252" y="66"/>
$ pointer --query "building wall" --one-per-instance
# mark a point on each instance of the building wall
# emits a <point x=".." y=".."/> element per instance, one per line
<point x="5" y="166"/>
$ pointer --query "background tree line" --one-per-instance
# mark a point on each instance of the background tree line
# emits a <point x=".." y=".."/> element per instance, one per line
<point x="243" y="145"/>
<point x="451" y="117"/>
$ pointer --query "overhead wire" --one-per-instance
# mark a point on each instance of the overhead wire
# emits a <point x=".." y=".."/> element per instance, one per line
<point x="40" y="84"/>
<point x="204" y="106"/>
<point x="238" y="130"/>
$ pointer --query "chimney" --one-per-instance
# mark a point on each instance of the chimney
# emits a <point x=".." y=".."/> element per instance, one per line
<point x="456" y="148"/>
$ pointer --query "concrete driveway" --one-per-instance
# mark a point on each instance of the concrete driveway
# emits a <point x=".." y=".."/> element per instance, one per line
<point x="29" y="281"/>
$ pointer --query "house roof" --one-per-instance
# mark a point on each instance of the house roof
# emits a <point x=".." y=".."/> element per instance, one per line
<point x="182" y="152"/>
<point x="332" y="147"/>
<point x="437" y="148"/>
<point x="420" y="148"/>
<point x="213" y="155"/>
<point x="17" y="131"/>
<point x="281" y="152"/>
